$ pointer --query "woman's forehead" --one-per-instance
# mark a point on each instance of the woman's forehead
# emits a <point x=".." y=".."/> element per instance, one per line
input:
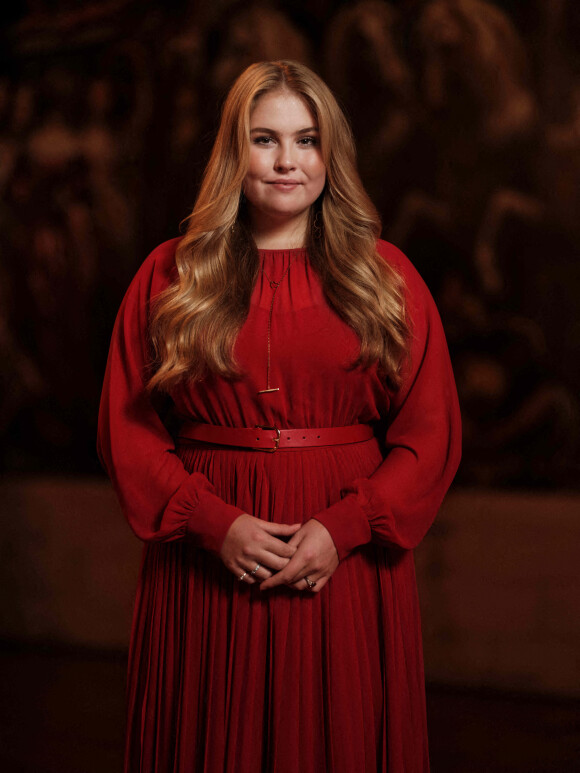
<point x="282" y="102"/>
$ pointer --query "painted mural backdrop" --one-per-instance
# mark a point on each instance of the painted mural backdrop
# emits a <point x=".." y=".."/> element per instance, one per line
<point x="467" y="118"/>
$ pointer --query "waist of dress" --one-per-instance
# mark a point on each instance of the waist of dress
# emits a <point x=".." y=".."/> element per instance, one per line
<point x="271" y="438"/>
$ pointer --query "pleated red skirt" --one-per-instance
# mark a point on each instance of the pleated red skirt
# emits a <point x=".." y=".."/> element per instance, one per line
<point x="225" y="679"/>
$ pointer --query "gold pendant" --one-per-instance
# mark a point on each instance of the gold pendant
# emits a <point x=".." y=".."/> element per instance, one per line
<point x="265" y="391"/>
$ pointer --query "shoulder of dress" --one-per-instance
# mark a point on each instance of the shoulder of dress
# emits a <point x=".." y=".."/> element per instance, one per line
<point x="419" y="298"/>
<point x="392" y="254"/>
<point x="400" y="262"/>
<point x="158" y="270"/>
<point x="162" y="258"/>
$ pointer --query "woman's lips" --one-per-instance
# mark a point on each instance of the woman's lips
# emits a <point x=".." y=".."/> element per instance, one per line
<point x="284" y="185"/>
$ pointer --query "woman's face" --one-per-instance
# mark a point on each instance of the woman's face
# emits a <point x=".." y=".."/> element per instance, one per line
<point x="286" y="173"/>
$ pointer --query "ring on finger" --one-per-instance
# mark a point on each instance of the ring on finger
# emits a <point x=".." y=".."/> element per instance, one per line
<point x="310" y="583"/>
<point x="253" y="572"/>
<point x="241" y="577"/>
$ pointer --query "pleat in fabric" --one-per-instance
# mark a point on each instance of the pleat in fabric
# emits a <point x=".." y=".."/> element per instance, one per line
<point x="225" y="679"/>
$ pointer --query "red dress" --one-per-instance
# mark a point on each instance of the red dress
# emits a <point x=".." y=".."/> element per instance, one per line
<point x="221" y="676"/>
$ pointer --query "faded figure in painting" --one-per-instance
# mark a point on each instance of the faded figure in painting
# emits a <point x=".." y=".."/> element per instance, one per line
<point x="480" y="110"/>
<point x="363" y="45"/>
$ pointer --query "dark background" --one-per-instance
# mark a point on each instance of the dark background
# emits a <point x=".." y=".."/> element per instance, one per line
<point x="467" y="120"/>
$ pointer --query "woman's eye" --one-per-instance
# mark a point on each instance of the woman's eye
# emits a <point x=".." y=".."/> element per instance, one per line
<point x="263" y="140"/>
<point x="308" y="141"/>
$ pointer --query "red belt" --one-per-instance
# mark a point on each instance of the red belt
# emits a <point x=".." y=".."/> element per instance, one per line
<point x="271" y="438"/>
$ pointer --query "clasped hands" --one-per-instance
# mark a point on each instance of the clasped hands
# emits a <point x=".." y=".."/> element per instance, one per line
<point x="309" y="553"/>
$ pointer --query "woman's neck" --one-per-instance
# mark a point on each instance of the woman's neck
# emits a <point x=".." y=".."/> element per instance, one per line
<point x="270" y="234"/>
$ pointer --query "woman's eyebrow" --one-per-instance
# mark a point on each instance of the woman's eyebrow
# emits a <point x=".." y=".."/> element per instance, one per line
<point x="265" y="130"/>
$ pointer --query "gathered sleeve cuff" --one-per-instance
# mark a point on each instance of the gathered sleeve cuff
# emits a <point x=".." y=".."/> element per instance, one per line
<point x="160" y="499"/>
<point x="398" y="502"/>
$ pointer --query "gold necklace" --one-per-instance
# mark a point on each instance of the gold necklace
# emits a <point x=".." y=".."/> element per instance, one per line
<point x="274" y="285"/>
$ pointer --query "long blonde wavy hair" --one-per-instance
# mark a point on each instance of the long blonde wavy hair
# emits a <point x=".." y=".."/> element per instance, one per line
<point x="195" y="321"/>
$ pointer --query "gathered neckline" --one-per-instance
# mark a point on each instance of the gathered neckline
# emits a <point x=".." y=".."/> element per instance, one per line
<point x="290" y="252"/>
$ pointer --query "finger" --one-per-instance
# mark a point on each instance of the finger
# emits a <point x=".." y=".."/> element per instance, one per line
<point x="250" y="576"/>
<point x="268" y="551"/>
<point x="306" y="581"/>
<point x="271" y="560"/>
<point x="303" y="587"/>
<point x="260" y="573"/>
<point x="263" y="574"/>
<point x="286" y="576"/>
<point x="296" y="538"/>
<point x="243" y="576"/>
<point x="278" y="547"/>
<point x="294" y="543"/>
<point x="281" y="529"/>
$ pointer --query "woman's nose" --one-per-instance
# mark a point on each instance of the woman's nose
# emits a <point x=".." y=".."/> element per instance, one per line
<point x="285" y="158"/>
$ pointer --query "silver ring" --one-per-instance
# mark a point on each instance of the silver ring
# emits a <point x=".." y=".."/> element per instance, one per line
<point x="241" y="577"/>
<point x="253" y="572"/>
<point x="310" y="583"/>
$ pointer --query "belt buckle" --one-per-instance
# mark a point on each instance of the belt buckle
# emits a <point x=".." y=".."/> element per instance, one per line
<point x="275" y="440"/>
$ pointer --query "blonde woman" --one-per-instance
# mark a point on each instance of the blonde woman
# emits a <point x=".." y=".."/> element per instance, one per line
<point x="302" y="367"/>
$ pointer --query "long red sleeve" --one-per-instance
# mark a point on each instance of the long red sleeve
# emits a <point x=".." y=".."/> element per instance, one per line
<point x="160" y="499"/>
<point x="398" y="503"/>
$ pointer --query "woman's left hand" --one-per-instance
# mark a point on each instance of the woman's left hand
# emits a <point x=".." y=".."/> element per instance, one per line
<point x="315" y="558"/>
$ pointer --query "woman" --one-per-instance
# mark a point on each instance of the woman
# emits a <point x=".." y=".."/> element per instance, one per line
<point x="276" y="624"/>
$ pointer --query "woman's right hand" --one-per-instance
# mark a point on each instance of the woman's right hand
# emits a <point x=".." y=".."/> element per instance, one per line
<point x="251" y="541"/>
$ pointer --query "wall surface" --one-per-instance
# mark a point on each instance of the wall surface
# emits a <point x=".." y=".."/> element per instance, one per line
<point x="69" y="563"/>
<point x="498" y="579"/>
